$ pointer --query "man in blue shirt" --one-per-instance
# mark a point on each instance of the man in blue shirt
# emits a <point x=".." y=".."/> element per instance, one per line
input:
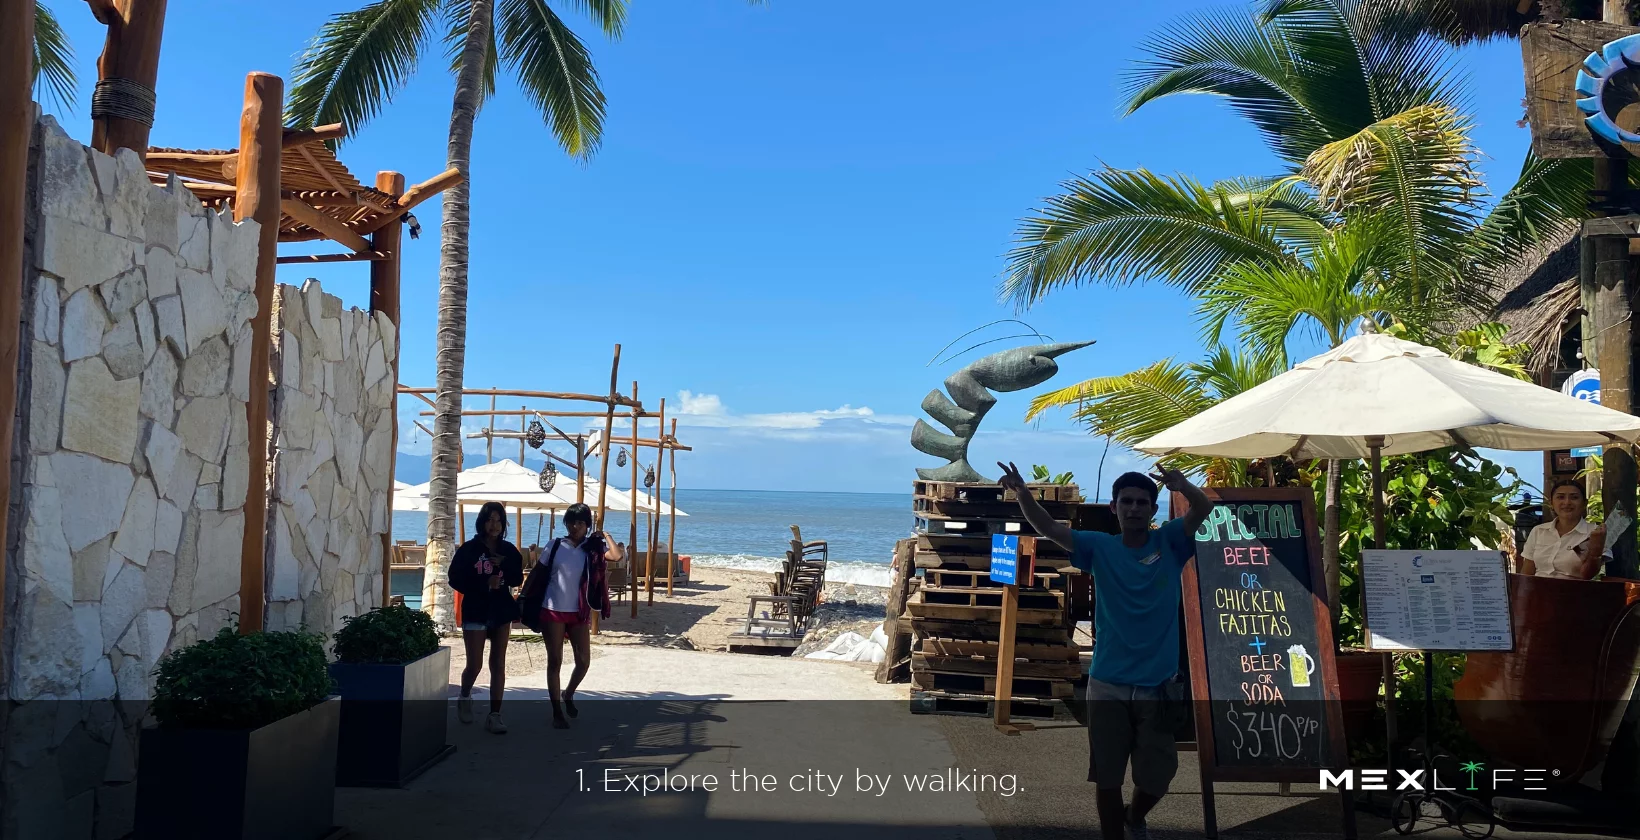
<point x="1136" y="636"/>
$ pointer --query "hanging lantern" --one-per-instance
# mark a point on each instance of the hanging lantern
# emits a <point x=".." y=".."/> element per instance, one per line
<point x="536" y="436"/>
<point x="649" y="476"/>
<point x="549" y="477"/>
<point x="620" y="458"/>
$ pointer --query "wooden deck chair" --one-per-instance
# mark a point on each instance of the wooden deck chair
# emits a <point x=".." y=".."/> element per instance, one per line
<point x="811" y="547"/>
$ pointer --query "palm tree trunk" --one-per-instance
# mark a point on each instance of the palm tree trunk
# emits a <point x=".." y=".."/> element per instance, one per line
<point x="1329" y="539"/>
<point x="452" y="323"/>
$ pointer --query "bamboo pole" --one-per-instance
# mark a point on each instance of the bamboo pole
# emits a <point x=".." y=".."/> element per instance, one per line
<point x="489" y="439"/>
<point x="655" y="522"/>
<point x="17" y="114"/>
<point x="614" y="398"/>
<point x="330" y="226"/>
<point x="609" y="427"/>
<point x="538" y="412"/>
<point x="523" y="436"/>
<point x="580" y="471"/>
<point x="320" y="133"/>
<point x="384" y="298"/>
<point x="632" y="506"/>
<point x="130" y="60"/>
<point x="260" y="133"/>
<point x="672" y="531"/>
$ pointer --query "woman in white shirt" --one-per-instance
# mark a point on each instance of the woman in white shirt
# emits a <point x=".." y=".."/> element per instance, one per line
<point x="1567" y="546"/>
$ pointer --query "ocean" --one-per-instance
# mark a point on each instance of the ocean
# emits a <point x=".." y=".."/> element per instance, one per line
<point x="750" y="529"/>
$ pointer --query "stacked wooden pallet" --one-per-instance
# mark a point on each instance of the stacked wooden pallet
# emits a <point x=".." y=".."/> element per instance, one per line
<point x="955" y="615"/>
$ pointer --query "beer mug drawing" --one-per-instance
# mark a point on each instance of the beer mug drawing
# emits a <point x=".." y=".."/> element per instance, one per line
<point x="1299" y="666"/>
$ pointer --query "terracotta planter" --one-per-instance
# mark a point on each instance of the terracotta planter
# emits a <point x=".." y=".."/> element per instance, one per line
<point x="1360" y="676"/>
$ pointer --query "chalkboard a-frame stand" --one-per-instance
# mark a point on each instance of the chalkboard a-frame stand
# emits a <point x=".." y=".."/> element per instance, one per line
<point x="1308" y="613"/>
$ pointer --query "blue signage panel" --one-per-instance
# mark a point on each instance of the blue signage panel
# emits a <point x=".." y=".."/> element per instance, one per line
<point x="1584" y="385"/>
<point x="1005" y="558"/>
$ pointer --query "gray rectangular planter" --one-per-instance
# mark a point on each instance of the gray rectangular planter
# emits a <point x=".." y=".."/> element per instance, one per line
<point x="272" y="783"/>
<point x="394" y="720"/>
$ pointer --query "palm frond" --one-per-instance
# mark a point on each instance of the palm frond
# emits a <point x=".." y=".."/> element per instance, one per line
<point x="1547" y="200"/>
<point x="556" y="73"/>
<point x="607" y="15"/>
<point x="1119" y="226"/>
<point x="1138" y="405"/>
<point x="458" y="19"/>
<point x="1416" y="171"/>
<point x="53" y="57"/>
<point x="358" y="61"/>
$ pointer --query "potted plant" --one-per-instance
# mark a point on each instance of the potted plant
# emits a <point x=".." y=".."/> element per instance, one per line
<point x="393" y="678"/>
<point x="245" y="745"/>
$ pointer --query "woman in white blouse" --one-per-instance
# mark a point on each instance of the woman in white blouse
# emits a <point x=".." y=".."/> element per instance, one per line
<point x="1567" y="546"/>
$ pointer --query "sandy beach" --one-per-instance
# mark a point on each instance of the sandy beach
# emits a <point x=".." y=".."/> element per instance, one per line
<point x="699" y="615"/>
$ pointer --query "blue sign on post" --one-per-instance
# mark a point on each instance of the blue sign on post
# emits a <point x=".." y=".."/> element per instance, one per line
<point x="1005" y="558"/>
<point x="1584" y="385"/>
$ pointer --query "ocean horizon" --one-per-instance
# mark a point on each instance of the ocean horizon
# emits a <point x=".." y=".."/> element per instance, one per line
<point x="747" y="529"/>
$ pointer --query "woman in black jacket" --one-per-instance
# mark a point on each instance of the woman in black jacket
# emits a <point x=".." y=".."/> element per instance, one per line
<point x="484" y="571"/>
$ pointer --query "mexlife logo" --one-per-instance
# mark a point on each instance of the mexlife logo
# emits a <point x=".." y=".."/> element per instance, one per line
<point x="1598" y="69"/>
<point x="1415" y="779"/>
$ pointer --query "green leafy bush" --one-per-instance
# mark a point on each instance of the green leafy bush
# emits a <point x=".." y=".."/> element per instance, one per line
<point x="233" y="681"/>
<point x="1043" y="475"/>
<point x="386" y="636"/>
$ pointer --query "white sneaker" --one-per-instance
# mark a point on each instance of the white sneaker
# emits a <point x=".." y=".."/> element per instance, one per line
<point x="496" y="725"/>
<point x="464" y="709"/>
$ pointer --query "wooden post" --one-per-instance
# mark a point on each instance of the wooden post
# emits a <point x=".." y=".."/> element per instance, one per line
<point x="632" y="498"/>
<point x="609" y="427"/>
<point x="581" y="470"/>
<point x="122" y="107"/>
<point x="523" y="435"/>
<point x="1024" y="568"/>
<point x="905" y="562"/>
<point x="489" y="436"/>
<point x="655" y="526"/>
<point x="17" y="115"/>
<point x="672" y="530"/>
<point x="384" y="298"/>
<point x="261" y="135"/>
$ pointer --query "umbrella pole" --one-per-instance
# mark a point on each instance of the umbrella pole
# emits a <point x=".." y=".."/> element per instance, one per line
<point x="1375" y="446"/>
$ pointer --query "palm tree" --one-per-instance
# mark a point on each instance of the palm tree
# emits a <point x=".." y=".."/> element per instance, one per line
<point x="355" y="65"/>
<point x="53" y="57"/>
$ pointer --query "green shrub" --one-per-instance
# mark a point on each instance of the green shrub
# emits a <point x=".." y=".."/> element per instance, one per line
<point x="234" y="681"/>
<point x="386" y="636"/>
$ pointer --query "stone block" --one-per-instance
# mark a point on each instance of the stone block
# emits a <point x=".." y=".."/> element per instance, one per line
<point x="46" y="659"/>
<point x="98" y="683"/>
<point x="83" y="325"/>
<point x="121" y="603"/>
<point x="162" y="450"/>
<point x="44" y="550"/>
<point x="203" y="426"/>
<point x="168" y="314"/>
<point x="241" y="308"/>
<point x="159" y="385"/>
<point x="208" y="497"/>
<point x="121" y="293"/>
<point x="377" y="463"/>
<point x="244" y="241"/>
<point x="162" y="572"/>
<point x="205" y="372"/>
<point x="284" y="569"/>
<point x="122" y="350"/>
<point x="137" y="529"/>
<point x="239" y="383"/>
<point x="349" y="390"/>
<point x="116" y="562"/>
<point x="330" y="339"/>
<point x="184" y="479"/>
<point x="147" y="332"/>
<point x="375" y="365"/>
<point x="221" y="537"/>
<point x="127" y="202"/>
<point x="390" y="337"/>
<point x="379" y="520"/>
<point x="193" y="239"/>
<point x="187" y="567"/>
<point x="161" y="272"/>
<point x="67" y="190"/>
<point x="95" y="491"/>
<point x="100" y="412"/>
<point x="84" y="256"/>
<point x="210" y="474"/>
<point x="81" y="760"/>
<point x="236" y="474"/>
<point x="45" y="407"/>
<point x="155" y="627"/>
<point x="349" y="445"/>
<point x="290" y="360"/>
<point x="122" y="759"/>
<point x="48" y="304"/>
<point x="160" y="228"/>
<point x="167" y="527"/>
<point x="202" y="307"/>
<point x="91" y="570"/>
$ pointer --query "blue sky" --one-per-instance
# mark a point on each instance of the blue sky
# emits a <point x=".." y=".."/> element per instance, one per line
<point x="794" y="208"/>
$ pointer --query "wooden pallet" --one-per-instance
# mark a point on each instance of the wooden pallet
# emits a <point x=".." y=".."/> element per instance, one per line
<point x="945" y="578"/>
<point x="1034" y="651"/>
<point x="919" y="608"/>
<point x="1053" y="689"/>
<point x="988" y="631"/>
<point x="945" y="508"/>
<point x="978" y="527"/>
<point x="969" y="665"/>
<point x="977" y="545"/>
<point x="982" y="705"/>
<point x="962" y="491"/>
<point x="1029" y="599"/>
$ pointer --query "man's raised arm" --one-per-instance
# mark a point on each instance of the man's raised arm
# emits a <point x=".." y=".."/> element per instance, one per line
<point x="1200" y="505"/>
<point x="1040" y="519"/>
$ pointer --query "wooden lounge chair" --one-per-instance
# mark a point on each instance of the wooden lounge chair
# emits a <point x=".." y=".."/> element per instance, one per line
<point x="793" y="596"/>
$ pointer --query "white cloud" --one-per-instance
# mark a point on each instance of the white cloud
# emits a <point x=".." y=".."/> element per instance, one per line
<point x="708" y="411"/>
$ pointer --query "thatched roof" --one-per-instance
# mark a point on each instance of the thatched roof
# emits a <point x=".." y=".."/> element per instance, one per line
<point x="1540" y="291"/>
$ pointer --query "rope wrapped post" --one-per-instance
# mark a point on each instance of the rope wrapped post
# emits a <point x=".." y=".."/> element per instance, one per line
<point x="122" y="105"/>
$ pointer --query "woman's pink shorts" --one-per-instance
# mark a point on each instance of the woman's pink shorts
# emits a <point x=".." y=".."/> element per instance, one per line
<point x="556" y="617"/>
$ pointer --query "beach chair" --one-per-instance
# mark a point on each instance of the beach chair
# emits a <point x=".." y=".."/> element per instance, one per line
<point x="809" y="549"/>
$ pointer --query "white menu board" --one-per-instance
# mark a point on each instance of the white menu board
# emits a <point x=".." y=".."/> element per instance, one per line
<point x="1436" y="600"/>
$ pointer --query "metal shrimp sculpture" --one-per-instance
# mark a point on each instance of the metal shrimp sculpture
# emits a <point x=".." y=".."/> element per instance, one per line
<point x="1010" y="370"/>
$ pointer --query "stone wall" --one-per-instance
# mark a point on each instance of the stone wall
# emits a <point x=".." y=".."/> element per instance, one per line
<point x="332" y="407"/>
<point x="134" y="457"/>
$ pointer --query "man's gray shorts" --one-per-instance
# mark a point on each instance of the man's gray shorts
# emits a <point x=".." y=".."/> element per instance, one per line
<point x="1130" y="722"/>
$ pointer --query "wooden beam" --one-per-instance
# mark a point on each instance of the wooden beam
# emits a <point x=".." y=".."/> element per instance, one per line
<point x="416" y="195"/>
<point x="225" y="164"/>
<point x="616" y="399"/>
<point x="1625" y="227"/>
<point x="330" y="226"/>
<point x="365" y="256"/>
<point x="259" y="135"/>
<point x="510" y="412"/>
<point x="306" y="151"/>
<point x="384" y="298"/>
<point x="17" y="115"/>
<point x="317" y="134"/>
<point x="129" y="63"/>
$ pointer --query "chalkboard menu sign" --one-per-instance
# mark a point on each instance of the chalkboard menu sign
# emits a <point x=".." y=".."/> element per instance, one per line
<point x="1261" y="647"/>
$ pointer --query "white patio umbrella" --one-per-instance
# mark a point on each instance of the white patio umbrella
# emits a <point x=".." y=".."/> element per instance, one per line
<point x="509" y="483"/>
<point x="410" y="497"/>
<point x="1375" y="395"/>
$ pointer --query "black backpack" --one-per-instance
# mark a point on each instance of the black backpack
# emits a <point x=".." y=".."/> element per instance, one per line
<point x="534" y="594"/>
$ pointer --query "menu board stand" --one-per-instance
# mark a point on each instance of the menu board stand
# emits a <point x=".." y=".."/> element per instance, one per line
<point x="1259" y="557"/>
